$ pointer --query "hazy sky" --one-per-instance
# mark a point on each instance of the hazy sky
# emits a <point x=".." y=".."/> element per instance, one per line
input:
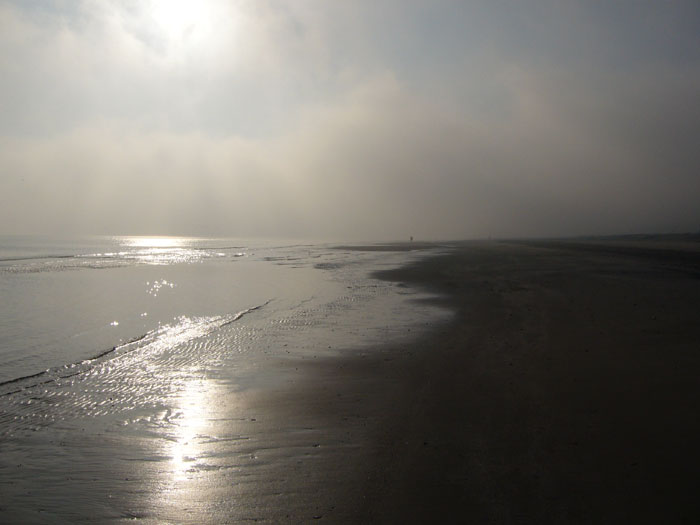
<point x="349" y="120"/>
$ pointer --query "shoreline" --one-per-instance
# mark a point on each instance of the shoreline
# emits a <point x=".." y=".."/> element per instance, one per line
<point x="563" y="390"/>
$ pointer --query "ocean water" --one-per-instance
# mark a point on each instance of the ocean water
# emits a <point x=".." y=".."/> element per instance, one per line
<point x="116" y="326"/>
<point x="129" y="367"/>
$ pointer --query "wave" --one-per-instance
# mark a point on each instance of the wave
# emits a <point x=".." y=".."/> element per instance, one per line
<point x="36" y="257"/>
<point x="115" y="254"/>
<point x="166" y="336"/>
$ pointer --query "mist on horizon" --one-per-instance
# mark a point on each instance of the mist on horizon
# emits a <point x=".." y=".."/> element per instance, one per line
<point x="353" y="120"/>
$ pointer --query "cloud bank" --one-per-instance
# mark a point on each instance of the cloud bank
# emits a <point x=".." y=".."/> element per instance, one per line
<point x="349" y="121"/>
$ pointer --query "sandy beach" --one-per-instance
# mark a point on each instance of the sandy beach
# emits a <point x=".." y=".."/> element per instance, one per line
<point x="349" y="262"/>
<point x="563" y="390"/>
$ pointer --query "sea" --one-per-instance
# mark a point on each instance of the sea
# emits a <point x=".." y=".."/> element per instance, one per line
<point x="126" y="363"/>
<point x="97" y="326"/>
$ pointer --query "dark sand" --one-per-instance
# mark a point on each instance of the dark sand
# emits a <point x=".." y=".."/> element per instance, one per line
<point x="565" y="390"/>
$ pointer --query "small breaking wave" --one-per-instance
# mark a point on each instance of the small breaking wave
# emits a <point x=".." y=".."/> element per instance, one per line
<point x="35" y="257"/>
<point x="114" y="259"/>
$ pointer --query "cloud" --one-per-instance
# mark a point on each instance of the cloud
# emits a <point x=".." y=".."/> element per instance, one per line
<point x="310" y="121"/>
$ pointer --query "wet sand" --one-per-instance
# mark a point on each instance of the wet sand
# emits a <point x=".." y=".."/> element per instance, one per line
<point x="564" y="390"/>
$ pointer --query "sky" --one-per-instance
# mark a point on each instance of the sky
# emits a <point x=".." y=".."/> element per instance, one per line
<point x="362" y="120"/>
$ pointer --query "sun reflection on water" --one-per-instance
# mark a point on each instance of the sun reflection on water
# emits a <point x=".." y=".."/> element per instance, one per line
<point x="155" y="242"/>
<point x="191" y="423"/>
<point x="163" y="250"/>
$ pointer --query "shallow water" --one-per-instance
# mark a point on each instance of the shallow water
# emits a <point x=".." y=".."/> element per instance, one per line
<point x="129" y="347"/>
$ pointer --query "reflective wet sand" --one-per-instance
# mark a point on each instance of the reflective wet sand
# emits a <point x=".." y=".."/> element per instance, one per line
<point x="209" y="419"/>
<point x="563" y="389"/>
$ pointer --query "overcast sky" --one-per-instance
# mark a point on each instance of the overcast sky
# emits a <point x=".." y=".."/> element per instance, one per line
<point x="366" y="120"/>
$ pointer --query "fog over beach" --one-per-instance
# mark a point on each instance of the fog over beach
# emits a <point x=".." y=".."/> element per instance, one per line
<point x="307" y="119"/>
<point x="389" y="262"/>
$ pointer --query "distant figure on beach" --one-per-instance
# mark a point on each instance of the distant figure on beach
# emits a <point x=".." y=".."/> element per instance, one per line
<point x="411" y="238"/>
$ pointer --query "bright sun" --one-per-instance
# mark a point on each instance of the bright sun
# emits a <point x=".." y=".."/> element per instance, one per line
<point x="182" y="20"/>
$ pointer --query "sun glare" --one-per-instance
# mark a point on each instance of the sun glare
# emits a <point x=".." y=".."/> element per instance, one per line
<point x="182" y="21"/>
<point x="185" y="448"/>
<point x="153" y="242"/>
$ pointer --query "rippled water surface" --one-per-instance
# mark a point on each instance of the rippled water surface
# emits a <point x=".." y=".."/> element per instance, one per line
<point x="128" y="346"/>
